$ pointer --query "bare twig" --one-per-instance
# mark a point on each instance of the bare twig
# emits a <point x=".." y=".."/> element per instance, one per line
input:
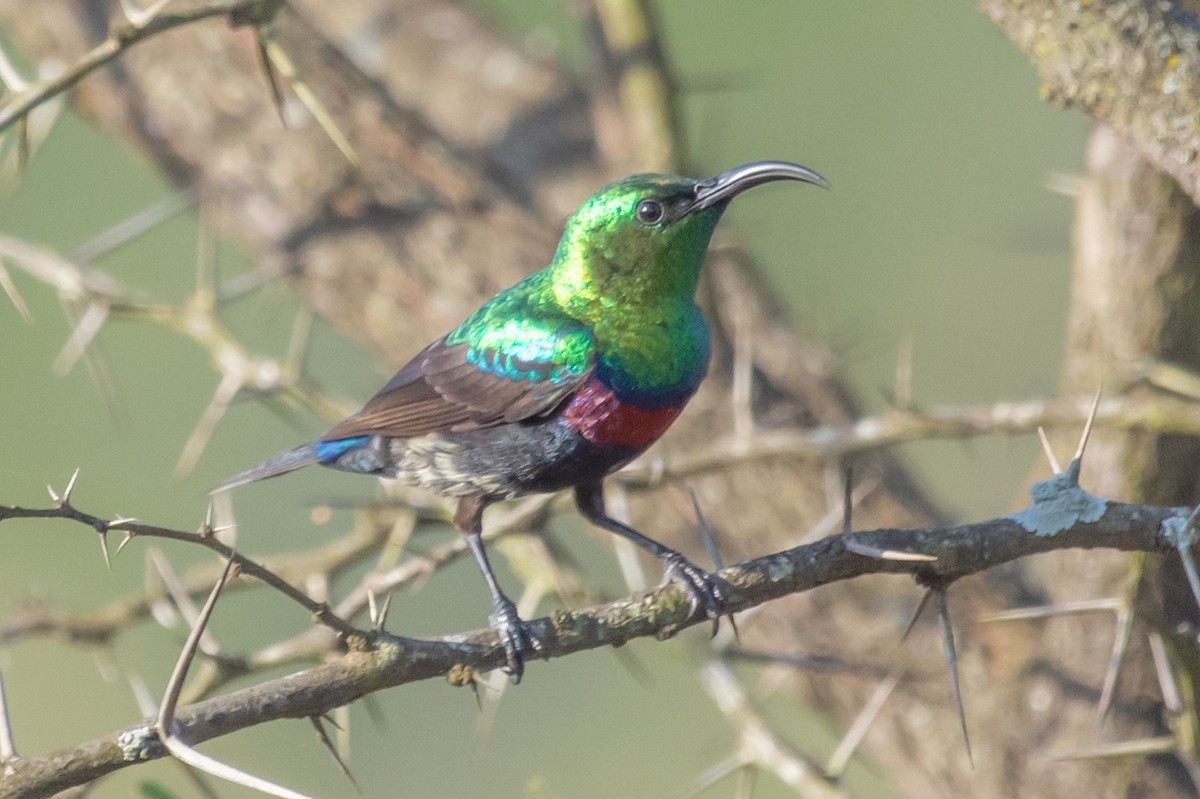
<point x="171" y="736"/>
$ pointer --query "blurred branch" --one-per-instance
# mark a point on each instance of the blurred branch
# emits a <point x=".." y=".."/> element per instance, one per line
<point x="95" y="298"/>
<point x="1133" y="65"/>
<point x="1061" y="516"/>
<point x="759" y="745"/>
<point x="136" y="28"/>
<point x="635" y="104"/>
<point x="830" y="443"/>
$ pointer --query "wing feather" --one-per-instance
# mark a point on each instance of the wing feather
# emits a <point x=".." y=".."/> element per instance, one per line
<point x="455" y="386"/>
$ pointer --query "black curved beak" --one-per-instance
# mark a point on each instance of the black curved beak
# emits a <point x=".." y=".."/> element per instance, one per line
<point x="732" y="182"/>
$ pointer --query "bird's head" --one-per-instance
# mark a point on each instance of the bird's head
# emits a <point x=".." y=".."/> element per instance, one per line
<point x="642" y="240"/>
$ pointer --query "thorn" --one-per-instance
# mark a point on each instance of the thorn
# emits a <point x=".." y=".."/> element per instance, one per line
<point x="104" y="549"/>
<point x="858" y="730"/>
<point x="323" y="737"/>
<point x="302" y="328"/>
<point x="66" y="497"/>
<point x="715" y="773"/>
<point x="14" y="296"/>
<point x="858" y="547"/>
<point x="264" y="61"/>
<point x="710" y="544"/>
<point x="9" y="76"/>
<point x="138" y="17"/>
<point x="952" y="662"/>
<point x="848" y="499"/>
<point x="1087" y="427"/>
<point x="280" y="60"/>
<point x="912" y="622"/>
<point x="476" y="680"/>
<point x="371" y="704"/>
<point x="180" y="596"/>
<point x="747" y="776"/>
<point x="705" y="531"/>
<point x="1163" y="744"/>
<point x="132" y="227"/>
<point x="141" y="695"/>
<point x="8" y="748"/>
<point x="1048" y="611"/>
<point x="383" y="612"/>
<point x="87" y="327"/>
<point x="1054" y="464"/>
<point x="128" y="537"/>
<point x="231" y="383"/>
<point x="1166" y="679"/>
<point x="1064" y="184"/>
<point x="1189" y="567"/>
<point x="372" y="610"/>
<point x="1108" y="690"/>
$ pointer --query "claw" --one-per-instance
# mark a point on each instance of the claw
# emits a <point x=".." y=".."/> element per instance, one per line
<point x="516" y="636"/>
<point x="700" y="586"/>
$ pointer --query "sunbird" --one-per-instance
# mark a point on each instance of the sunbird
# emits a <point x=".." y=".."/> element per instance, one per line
<point x="558" y="381"/>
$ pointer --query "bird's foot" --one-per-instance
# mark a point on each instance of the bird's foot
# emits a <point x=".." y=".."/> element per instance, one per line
<point x="702" y="588"/>
<point x="516" y="636"/>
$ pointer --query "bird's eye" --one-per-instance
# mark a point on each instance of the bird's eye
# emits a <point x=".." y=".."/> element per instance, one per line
<point x="649" y="212"/>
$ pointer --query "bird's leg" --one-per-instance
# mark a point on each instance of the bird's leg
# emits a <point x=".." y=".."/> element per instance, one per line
<point x="701" y="587"/>
<point x="515" y="634"/>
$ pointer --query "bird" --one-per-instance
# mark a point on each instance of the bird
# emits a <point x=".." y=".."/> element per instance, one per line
<point x="559" y="380"/>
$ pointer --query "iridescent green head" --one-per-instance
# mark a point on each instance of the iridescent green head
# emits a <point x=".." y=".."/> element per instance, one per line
<point x="641" y="241"/>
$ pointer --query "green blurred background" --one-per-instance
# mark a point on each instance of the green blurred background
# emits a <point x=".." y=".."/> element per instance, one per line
<point x="939" y="229"/>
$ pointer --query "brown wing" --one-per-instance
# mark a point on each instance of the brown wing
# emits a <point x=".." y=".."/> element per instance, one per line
<point x="441" y="390"/>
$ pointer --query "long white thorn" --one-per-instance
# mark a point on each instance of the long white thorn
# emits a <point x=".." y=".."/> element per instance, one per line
<point x="1055" y="466"/>
<point x="90" y="322"/>
<point x="138" y="17"/>
<point x="227" y="389"/>
<point x="8" y="747"/>
<point x="1087" y="427"/>
<point x="13" y="81"/>
<point x="14" y="296"/>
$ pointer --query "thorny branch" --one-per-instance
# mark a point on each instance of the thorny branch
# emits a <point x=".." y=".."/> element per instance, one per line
<point x="902" y="424"/>
<point x="138" y="28"/>
<point x="1062" y="516"/>
<point x="205" y="537"/>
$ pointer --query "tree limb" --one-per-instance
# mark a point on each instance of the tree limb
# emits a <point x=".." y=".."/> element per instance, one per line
<point x="1063" y="516"/>
<point x="1132" y="64"/>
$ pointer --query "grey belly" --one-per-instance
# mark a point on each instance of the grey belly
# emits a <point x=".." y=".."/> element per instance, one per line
<point x="497" y="462"/>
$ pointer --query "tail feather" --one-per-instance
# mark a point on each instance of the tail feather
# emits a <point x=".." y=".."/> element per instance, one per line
<point x="286" y="462"/>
